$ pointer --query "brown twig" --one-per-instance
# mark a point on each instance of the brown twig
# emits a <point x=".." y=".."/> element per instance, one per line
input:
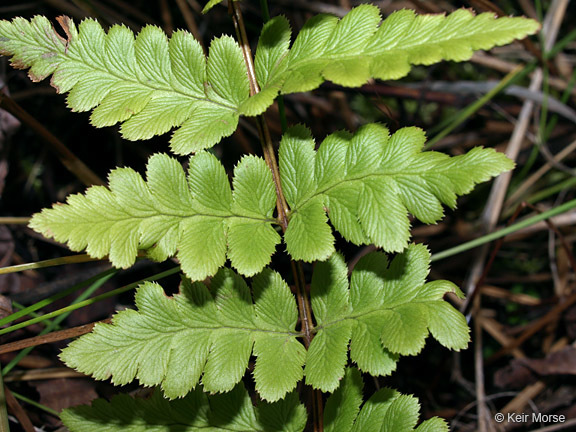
<point x="535" y="327"/>
<point x="68" y="159"/>
<point x="526" y="184"/>
<point x="49" y="338"/>
<point x="185" y="10"/>
<point x="18" y="411"/>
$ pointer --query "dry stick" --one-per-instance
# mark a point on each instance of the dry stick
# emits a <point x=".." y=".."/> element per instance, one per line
<point x="18" y="411"/>
<point x="166" y="17"/>
<point x="493" y="328"/>
<point x="529" y="393"/>
<point x="506" y="67"/>
<point x="526" y="184"/>
<point x="68" y="159"/>
<point x="185" y="10"/>
<point x="528" y="8"/>
<point x="493" y="209"/>
<point x="483" y="414"/>
<point x="281" y="205"/>
<point x="480" y="280"/>
<point x="532" y="329"/>
<point x="50" y="337"/>
<point x="42" y="374"/>
<point x="561" y="237"/>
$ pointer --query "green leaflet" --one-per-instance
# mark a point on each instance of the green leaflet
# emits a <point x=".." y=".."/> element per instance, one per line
<point x="199" y="219"/>
<point x="369" y="182"/>
<point x="149" y="83"/>
<point x="360" y="46"/>
<point x="196" y="411"/>
<point x="386" y="310"/>
<point x="387" y="410"/>
<point x="383" y="312"/>
<point x="172" y="342"/>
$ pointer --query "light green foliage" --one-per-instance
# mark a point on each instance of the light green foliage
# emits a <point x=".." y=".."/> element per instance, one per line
<point x="33" y="44"/>
<point x="197" y="411"/>
<point x="199" y="218"/>
<point x="361" y="46"/>
<point x="366" y="183"/>
<point x="369" y="182"/>
<point x="387" y="410"/>
<point x="172" y="342"/>
<point x="386" y="310"/>
<point x="149" y="83"/>
<point x="152" y="84"/>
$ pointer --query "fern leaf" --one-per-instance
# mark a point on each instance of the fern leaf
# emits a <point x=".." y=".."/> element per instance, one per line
<point x="386" y="310"/>
<point x="383" y="312"/>
<point x="172" y="342"/>
<point x="196" y="411"/>
<point x="149" y="84"/>
<point x="343" y="406"/>
<point x="369" y="182"/>
<point x="361" y="46"/>
<point x="387" y="410"/>
<point x="199" y="219"/>
<point x="273" y="47"/>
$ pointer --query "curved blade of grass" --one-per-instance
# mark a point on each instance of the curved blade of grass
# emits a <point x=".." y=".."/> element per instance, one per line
<point x="4" y="426"/>
<point x="464" y="114"/>
<point x="89" y="301"/>
<point x="552" y="190"/>
<point x="53" y="298"/>
<point x="53" y="325"/>
<point x="36" y="404"/>
<point x="505" y="231"/>
<point x="514" y="75"/>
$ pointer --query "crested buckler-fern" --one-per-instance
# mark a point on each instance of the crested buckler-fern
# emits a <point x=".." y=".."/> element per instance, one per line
<point x="233" y="313"/>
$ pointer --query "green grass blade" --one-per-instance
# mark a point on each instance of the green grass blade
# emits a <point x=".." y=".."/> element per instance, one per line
<point x="505" y="231"/>
<point x="88" y="302"/>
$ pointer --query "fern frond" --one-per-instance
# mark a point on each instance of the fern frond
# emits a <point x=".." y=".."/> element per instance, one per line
<point x="360" y="46"/>
<point x="386" y="410"/>
<point x="383" y="312"/>
<point x="232" y="411"/>
<point x="369" y="182"/>
<point x="149" y="84"/>
<point x="386" y="310"/>
<point x="172" y="342"/>
<point x="200" y="219"/>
